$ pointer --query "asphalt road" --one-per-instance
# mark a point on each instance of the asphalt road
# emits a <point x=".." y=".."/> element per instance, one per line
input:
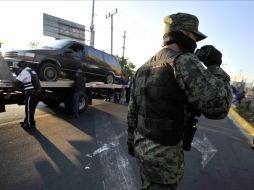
<point x="90" y="152"/>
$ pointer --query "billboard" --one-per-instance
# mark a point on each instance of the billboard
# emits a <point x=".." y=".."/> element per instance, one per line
<point x="61" y="29"/>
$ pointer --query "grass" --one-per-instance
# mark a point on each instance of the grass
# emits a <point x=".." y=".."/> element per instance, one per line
<point x="244" y="111"/>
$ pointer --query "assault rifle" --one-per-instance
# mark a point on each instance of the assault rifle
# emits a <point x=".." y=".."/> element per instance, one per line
<point x="190" y="129"/>
<point x="189" y="133"/>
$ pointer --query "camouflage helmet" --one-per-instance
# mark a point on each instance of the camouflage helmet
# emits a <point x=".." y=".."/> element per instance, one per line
<point x="183" y="21"/>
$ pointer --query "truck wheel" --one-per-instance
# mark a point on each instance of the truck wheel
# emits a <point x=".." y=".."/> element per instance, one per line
<point x="117" y="97"/>
<point x="83" y="103"/>
<point x="110" y="79"/>
<point x="48" y="72"/>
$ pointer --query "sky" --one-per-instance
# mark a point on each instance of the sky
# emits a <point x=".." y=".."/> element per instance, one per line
<point x="228" y="25"/>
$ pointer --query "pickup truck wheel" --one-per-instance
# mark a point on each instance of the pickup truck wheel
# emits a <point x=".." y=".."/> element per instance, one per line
<point x="110" y="79"/>
<point x="48" y="72"/>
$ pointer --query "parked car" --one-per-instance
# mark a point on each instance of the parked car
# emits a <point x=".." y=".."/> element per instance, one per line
<point x="62" y="58"/>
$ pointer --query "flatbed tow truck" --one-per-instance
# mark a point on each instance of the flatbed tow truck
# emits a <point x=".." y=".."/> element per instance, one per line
<point x="54" y="93"/>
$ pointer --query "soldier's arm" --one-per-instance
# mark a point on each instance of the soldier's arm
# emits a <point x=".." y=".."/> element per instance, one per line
<point x="207" y="89"/>
<point x="132" y="116"/>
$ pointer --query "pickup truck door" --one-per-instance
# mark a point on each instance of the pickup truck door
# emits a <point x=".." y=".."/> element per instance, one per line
<point x="94" y="63"/>
<point x="72" y="60"/>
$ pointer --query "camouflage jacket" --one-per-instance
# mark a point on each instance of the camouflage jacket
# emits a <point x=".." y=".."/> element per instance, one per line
<point x="207" y="89"/>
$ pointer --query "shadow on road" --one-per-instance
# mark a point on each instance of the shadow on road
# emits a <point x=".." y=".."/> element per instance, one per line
<point x="99" y="164"/>
<point x="59" y="172"/>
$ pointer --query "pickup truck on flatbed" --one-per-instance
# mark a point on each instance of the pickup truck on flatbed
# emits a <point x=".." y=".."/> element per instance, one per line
<point x="55" y="92"/>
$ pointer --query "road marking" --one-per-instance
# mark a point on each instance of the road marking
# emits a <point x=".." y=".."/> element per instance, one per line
<point x="20" y="120"/>
<point x="206" y="148"/>
<point x="116" y="168"/>
<point x="105" y="146"/>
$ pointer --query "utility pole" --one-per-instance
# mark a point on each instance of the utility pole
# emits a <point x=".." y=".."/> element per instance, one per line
<point x="92" y="28"/>
<point x="124" y="36"/>
<point x="111" y="16"/>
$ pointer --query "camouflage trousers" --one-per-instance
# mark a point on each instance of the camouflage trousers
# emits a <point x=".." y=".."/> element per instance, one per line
<point x="161" y="167"/>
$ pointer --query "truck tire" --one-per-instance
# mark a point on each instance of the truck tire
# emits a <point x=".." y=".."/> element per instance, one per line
<point x="48" y="72"/>
<point x="83" y="103"/>
<point x="110" y="79"/>
<point x="117" y="97"/>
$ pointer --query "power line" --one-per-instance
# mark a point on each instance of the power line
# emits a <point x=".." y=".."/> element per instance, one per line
<point x="130" y="18"/>
<point x="140" y="25"/>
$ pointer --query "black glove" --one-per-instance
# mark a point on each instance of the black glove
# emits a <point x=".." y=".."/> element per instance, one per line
<point x="209" y="55"/>
<point x="131" y="149"/>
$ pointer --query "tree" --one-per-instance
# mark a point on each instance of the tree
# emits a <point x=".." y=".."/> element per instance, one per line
<point x="34" y="44"/>
<point x="127" y="67"/>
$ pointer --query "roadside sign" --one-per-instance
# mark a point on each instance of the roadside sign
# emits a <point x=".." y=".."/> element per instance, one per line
<point x="62" y="29"/>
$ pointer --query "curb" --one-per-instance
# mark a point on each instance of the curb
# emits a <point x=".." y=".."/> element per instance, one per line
<point x="242" y="122"/>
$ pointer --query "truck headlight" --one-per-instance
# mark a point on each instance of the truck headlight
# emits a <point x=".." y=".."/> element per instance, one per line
<point x="26" y="55"/>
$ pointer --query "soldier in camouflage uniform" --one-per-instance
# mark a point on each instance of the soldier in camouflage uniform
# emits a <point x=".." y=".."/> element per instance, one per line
<point x="168" y="92"/>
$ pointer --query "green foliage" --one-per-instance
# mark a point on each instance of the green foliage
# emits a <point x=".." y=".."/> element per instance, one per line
<point x="246" y="112"/>
<point x="127" y="67"/>
<point x="34" y="44"/>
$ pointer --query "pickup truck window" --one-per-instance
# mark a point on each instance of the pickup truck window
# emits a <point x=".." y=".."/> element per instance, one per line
<point x="94" y="55"/>
<point x="111" y="59"/>
<point x="57" y="44"/>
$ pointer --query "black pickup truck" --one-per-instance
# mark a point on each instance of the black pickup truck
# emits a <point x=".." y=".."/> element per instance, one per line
<point x="62" y="58"/>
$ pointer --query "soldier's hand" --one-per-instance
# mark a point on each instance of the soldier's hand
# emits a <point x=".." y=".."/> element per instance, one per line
<point x="209" y="55"/>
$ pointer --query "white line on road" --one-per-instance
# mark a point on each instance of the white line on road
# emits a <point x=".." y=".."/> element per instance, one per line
<point x="117" y="171"/>
<point x="206" y="148"/>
